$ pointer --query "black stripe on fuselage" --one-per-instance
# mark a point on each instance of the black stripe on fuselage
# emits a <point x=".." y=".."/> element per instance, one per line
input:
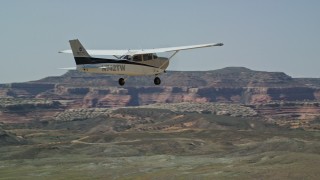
<point x="91" y="60"/>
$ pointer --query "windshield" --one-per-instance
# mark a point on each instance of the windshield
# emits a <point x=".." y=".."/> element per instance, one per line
<point x="154" y="56"/>
<point x="125" y="57"/>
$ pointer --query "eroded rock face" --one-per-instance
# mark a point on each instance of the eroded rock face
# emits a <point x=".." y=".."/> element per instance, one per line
<point x="44" y="98"/>
<point x="232" y="84"/>
<point x="135" y="96"/>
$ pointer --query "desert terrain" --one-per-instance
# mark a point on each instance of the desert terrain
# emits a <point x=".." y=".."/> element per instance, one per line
<point x="230" y="123"/>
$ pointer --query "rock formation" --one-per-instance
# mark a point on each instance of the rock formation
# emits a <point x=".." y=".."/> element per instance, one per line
<point x="236" y="85"/>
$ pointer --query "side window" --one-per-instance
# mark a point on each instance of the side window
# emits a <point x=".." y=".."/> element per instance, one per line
<point x="149" y="56"/>
<point x="145" y="57"/>
<point x="137" y="58"/>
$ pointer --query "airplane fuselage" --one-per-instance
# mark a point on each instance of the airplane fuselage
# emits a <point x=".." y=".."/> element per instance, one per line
<point x="126" y="67"/>
<point x="128" y="62"/>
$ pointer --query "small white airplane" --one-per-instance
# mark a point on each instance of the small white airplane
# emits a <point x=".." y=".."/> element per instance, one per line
<point x="128" y="62"/>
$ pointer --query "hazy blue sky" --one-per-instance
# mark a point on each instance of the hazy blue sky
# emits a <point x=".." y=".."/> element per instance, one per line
<point x="270" y="35"/>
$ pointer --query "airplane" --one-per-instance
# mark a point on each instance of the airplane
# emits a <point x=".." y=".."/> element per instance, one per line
<point x="128" y="62"/>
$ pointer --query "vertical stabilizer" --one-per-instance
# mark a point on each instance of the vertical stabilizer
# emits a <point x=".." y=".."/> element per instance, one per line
<point x="77" y="49"/>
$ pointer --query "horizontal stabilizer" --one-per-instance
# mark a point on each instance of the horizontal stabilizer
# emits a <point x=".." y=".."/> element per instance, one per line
<point x="103" y="52"/>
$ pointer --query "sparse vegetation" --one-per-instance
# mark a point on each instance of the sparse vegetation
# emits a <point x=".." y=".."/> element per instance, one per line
<point x="75" y="127"/>
<point x="144" y="143"/>
<point x="26" y="104"/>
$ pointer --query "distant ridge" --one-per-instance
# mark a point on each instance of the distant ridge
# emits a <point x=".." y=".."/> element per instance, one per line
<point x="272" y="94"/>
<point x="233" y="69"/>
<point x="230" y="84"/>
<point x="225" y="77"/>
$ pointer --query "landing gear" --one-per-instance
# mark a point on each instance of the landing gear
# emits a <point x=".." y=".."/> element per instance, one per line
<point x="121" y="81"/>
<point x="157" y="81"/>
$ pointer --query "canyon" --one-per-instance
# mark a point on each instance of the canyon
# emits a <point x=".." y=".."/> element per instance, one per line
<point x="274" y="96"/>
<point x="231" y="123"/>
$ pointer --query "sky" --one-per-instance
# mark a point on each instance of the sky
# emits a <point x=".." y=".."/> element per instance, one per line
<point x="265" y="35"/>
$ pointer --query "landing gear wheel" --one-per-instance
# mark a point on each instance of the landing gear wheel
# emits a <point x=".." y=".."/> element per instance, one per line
<point x="157" y="81"/>
<point x="121" y="81"/>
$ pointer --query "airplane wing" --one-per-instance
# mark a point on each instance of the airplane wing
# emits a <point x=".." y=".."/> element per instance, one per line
<point x="143" y="51"/>
<point x="170" y="49"/>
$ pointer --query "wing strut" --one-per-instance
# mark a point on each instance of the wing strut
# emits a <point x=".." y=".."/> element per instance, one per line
<point x="173" y="54"/>
<point x="169" y="59"/>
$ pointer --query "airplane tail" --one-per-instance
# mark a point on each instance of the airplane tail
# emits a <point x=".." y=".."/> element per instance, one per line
<point x="80" y="54"/>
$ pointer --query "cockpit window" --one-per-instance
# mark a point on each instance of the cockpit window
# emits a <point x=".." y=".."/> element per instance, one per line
<point x="154" y="56"/>
<point x="125" y="57"/>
